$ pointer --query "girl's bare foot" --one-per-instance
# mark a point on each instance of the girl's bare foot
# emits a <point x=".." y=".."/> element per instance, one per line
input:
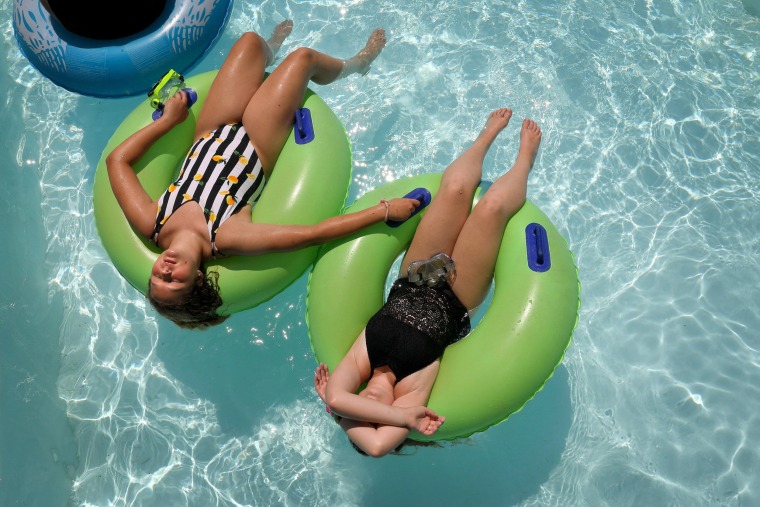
<point x="530" y="140"/>
<point x="279" y="34"/>
<point x="360" y="62"/>
<point x="374" y="46"/>
<point x="496" y="122"/>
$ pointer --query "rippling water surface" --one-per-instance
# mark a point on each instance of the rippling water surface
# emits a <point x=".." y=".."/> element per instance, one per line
<point x="648" y="167"/>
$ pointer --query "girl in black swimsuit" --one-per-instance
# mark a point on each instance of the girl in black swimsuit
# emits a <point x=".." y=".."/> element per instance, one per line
<point x="398" y="353"/>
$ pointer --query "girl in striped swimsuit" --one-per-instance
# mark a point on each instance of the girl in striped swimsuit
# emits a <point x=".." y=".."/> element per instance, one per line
<point x="240" y="132"/>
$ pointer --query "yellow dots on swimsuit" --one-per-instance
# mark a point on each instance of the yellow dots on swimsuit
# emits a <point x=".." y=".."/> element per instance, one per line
<point x="232" y="179"/>
<point x="192" y="155"/>
<point x="186" y="197"/>
<point x="251" y="176"/>
<point x="218" y="139"/>
<point x="224" y="192"/>
<point x="206" y="136"/>
<point x="243" y="160"/>
<point x="230" y="200"/>
<point x="172" y="188"/>
<point x="218" y="159"/>
<point x="198" y="177"/>
<point x="211" y="216"/>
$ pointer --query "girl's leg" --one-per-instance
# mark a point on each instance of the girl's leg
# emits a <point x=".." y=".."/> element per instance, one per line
<point x="239" y="78"/>
<point x="447" y="213"/>
<point x="269" y="116"/>
<point x="478" y="244"/>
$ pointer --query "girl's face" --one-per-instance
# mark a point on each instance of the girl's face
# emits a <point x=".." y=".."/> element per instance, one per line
<point x="173" y="276"/>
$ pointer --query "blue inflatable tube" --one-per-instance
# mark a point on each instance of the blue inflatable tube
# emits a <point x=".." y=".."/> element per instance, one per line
<point x="177" y="40"/>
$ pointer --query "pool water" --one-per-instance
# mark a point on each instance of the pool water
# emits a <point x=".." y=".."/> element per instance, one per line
<point x="648" y="167"/>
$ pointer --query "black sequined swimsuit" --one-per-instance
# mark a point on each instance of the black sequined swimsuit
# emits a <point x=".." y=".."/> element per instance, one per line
<point x="414" y="327"/>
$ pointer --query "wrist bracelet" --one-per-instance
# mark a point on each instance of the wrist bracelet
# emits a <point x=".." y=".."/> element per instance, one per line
<point x="387" y="207"/>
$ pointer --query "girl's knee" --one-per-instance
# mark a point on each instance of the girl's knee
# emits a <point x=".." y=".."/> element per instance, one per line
<point x="498" y="206"/>
<point x="252" y="38"/>
<point x="253" y="41"/>
<point x="457" y="186"/>
<point x="301" y="56"/>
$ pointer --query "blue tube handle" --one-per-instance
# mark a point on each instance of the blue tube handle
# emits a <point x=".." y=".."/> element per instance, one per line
<point x="422" y="195"/>
<point x="304" y="129"/>
<point x="537" y="246"/>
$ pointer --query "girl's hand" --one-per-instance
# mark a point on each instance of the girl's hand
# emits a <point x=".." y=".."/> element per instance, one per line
<point x="423" y="420"/>
<point x="175" y="109"/>
<point x="401" y="208"/>
<point x="321" y="377"/>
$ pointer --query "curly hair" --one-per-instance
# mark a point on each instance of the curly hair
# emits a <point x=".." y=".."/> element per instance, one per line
<point x="198" y="310"/>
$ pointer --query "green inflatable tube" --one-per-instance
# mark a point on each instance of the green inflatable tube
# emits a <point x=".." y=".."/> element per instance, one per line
<point x="309" y="184"/>
<point x="510" y="353"/>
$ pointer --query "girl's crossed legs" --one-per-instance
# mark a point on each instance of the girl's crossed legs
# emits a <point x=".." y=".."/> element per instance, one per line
<point x="473" y="239"/>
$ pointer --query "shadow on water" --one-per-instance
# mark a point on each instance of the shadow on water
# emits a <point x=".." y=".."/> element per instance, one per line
<point x="752" y="6"/>
<point x="505" y="465"/>
<point x="245" y="365"/>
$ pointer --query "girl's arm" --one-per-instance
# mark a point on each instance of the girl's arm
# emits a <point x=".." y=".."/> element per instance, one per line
<point x="379" y="439"/>
<point x="374" y="440"/>
<point x="245" y="238"/>
<point x="137" y="205"/>
<point x="408" y="411"/>
<point x="361" y="408"/>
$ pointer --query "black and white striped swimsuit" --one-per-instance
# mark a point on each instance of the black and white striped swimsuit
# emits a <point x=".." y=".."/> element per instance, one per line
<point x="221" y="172"/>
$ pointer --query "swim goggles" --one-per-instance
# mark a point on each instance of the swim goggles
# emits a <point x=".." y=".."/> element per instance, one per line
<point x="432" y="272"/>
<point x="165" y="88"/>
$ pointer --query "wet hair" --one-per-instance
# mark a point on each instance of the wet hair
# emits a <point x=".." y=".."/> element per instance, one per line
<point x="198" y="310"/>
